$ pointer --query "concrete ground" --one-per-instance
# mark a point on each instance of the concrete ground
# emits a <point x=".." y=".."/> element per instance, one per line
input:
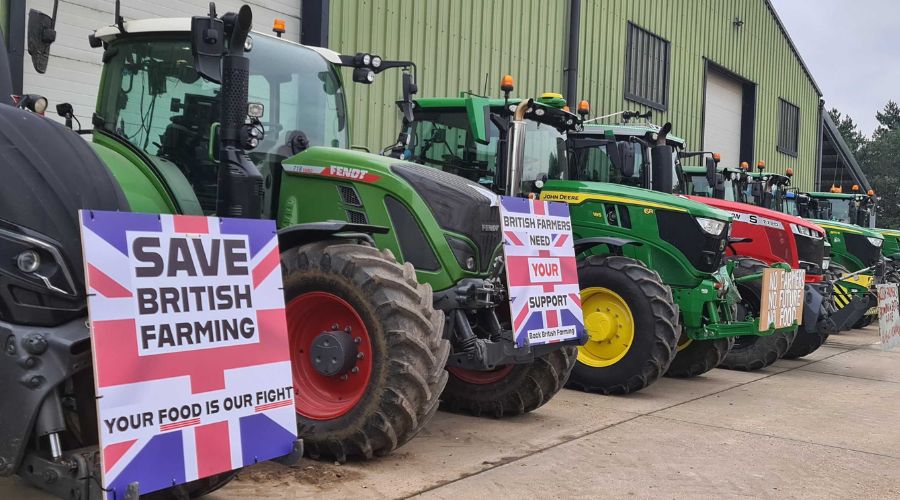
<point x="827" y="426"/>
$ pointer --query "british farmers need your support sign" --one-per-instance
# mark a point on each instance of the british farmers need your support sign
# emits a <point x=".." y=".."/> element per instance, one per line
<point x="541" y="271"/>
<point x="191" y="360"/>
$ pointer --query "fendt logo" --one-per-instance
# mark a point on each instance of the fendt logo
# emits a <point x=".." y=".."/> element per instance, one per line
<point x="490" y="228"/>
<point x="355" y="174"/>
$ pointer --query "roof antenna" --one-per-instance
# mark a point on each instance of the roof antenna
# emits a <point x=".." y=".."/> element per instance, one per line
<point x="120" y="22"/>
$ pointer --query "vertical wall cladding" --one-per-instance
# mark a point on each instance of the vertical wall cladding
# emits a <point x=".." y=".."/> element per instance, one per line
<point x="701" y="31"/>
<point x="458" y="45"/>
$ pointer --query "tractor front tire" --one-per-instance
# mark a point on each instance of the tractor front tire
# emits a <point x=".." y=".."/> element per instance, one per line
<point x="509" y="390"/>
<point x="335" y="290"/>
<point x="631" y="322"/>
<point x="753" y="352"/>
<point x="696" y="357"/>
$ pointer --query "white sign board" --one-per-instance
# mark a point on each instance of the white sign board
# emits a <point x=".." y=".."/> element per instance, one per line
<point x="541" y="271"/>
<point x="888" y="316"/>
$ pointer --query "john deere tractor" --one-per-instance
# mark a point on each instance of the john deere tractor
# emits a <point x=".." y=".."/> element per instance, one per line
<point x="760" y="236"/>
<point x="370" y="337"/>
<point x="651" y="264"/>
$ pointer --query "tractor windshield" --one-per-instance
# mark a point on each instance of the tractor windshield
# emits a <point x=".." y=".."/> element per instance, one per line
<point x="153" y="98"/>
<point x="594" y="164"/>
<point x="444" y="139"/>
<point x="698" y="185"/>
<point x="840" y="210"/>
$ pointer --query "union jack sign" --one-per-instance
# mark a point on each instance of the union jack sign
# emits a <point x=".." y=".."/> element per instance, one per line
<point x="191" y="360"/>
<point x="541" y="271"/>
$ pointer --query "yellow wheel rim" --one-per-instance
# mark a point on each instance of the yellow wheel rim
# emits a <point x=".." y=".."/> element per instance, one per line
<point x="683" y="342"/>
<point x="610" y="327"/>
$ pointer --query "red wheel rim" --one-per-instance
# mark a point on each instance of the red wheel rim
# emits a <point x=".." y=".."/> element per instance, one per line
<point x="318" y="397"/>
<point x="478" y="377"/>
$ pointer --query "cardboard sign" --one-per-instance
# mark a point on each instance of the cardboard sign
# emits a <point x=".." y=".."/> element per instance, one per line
<point x="888" y="316"/>
<point x="541" y="271"/>
<point x="191" y="361"/>
<point x="782" y="298"/>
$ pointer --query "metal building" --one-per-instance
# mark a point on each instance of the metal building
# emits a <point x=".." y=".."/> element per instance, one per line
<point x="725" y="72"/>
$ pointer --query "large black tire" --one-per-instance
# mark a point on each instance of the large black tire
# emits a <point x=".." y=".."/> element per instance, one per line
<point x="408" y="352"/>
<point x="521" y="388"/>
<point x="865" y="321"/>
<point x="654" y="322"/>
<point x="806" y="342"/>
<point x="696" y="357"/>
<point x="752" y="352"/>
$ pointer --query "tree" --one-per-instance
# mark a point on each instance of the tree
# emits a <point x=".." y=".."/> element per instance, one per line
<point x="848" y="129"/>
<point x="880" y="161"/>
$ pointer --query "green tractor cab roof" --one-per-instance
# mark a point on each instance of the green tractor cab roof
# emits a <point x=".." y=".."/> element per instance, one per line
<point x="108" y="34"/>
<point x="546" y="109"/>
<point x="628" y="129"/>
<point x="836" y="196"/>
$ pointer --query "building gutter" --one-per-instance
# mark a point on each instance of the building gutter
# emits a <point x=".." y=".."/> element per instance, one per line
<point x="570" y="73"/>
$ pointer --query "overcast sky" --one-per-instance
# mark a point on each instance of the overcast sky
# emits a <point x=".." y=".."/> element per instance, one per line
<point x="852" y="49"/>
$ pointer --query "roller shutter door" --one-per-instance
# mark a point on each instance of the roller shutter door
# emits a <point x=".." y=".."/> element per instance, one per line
<point x="722" y="117"/>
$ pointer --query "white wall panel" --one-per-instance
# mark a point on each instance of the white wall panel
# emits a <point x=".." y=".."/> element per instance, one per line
<point x="74" y="70"/>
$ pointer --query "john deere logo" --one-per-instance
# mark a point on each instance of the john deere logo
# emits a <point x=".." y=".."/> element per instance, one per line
<point x="648" y="211"/>
<point x="490" y="228"/>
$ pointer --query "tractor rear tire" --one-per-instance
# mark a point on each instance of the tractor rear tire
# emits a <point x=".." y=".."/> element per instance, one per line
<point x="510" y="390"/>
<point x="865" y="321"/>
<point x="638" y="292"/>
<point x="399" y="339"/>
<point x="753" y="352"/>
<point x="696" y="357"/>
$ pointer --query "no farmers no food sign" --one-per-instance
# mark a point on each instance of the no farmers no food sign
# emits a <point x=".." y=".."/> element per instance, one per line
<point x="888" y="316"/>
<point x="782" y="298"/>
<point x="541" y="271"/>
<point x="191" y="361"/>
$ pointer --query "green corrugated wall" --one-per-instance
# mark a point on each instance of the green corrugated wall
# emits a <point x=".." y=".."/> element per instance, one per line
<point x="456" y="45"/>
<point x="457" y="42"/>
<point x="698" y="30"/>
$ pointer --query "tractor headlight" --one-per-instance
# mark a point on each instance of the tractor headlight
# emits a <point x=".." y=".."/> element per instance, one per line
<point x="28" y="261"/>
<point x="876" y="242"/>
<point x="463" y="252"/>
<point x="805" y="231"/>
<point x="712" y="227"/>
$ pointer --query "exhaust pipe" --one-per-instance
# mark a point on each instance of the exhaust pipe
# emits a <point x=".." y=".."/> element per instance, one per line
<point x="515" y="151"/>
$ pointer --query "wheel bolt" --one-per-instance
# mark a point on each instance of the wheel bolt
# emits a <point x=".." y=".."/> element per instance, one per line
<point x="354" y="370"/>
<point x="344" y="377"/>
<point x="360" y="355"/>
<point x="334" y="326"/>
<point x="348" y="329"/>
<point x="357" y="340"/>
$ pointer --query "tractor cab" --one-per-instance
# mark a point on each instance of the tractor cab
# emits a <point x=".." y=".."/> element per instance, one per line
<point x="850" y="208"/>
<point x="468" y="136"/>
<point x="153" y="104"/>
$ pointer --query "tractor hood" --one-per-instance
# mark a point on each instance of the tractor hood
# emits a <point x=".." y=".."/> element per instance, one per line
<point x="843" y="227"/>
<point x="577" y="191"/>
<point x="891" y="247"/>
<point x="785" y="219"/>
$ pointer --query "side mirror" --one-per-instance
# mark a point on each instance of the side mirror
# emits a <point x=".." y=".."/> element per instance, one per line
<point x="41" y="34"/>
<point x="719" y="187"/>
<point x="710" y="164"/>
<point x="623" y="157"/>
<point x="208" y="45"/>
<point x="663" y="164"/>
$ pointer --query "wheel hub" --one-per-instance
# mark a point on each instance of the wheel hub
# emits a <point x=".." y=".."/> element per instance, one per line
<point x="333" y="353"/>
<point x="600" y="326"/>
<point x="610" y="326"/>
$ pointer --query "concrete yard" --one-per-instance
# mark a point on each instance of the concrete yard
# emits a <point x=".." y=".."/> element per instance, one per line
<point x="827" y="426"/>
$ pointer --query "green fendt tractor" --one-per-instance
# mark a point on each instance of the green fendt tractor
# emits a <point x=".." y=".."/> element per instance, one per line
<point x="651" y="264"/>
<point x="370" y="338"/>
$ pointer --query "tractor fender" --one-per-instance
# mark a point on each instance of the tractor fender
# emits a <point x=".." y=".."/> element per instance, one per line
<point x="302" y="234"/>
<point x="584" y="244"/>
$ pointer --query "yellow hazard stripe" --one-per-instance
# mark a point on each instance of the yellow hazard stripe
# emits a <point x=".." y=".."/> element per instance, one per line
<point x="578" y="198"/>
